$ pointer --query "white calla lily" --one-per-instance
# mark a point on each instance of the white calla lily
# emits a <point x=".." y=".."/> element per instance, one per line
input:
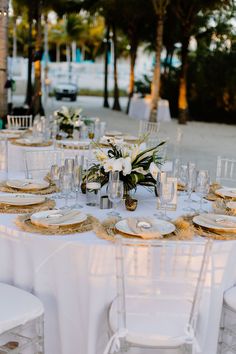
<point x="154" y="170"/>
<point x="126" y="166"/>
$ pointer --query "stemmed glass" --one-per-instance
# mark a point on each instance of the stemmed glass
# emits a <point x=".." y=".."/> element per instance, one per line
<point x="55" y="177"/>
<point x="69" y="165"/>
<point x="202" y="186"/>
<point x="115" y="194"/>
<point x="191" y="183"/>
<point x="77" y="179"/>
<point x="166" y="195"/>
<point x="66" y="186"/>
<point x="183" y="176"/>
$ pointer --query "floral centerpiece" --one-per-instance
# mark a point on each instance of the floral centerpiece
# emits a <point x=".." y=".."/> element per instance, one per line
<point x="68" y="119"/>
<point x="136" y="167"/>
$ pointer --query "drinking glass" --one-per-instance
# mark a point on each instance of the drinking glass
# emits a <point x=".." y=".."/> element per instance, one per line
<point x="77" y="179"/>
<point x="69" y="165"/>
<point x="183" y="176"/>
<point x="115" y="195"/>
<point x="55" y="177"/>
<point x="114" y="176"/>
<point x="66" y="186"/>
<point x="191" y="183"/>
<point x="166" y="195"/>
<point x="91" y="131"/>
<point x="202" y="186"/>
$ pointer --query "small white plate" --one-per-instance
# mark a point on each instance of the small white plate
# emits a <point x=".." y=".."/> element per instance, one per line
<point x="30" y="141"/>
<point x="58" y="218"/>
<point x="216" y="222"/>
<point x="27" y="184"/>
<point x="113" y="133"/>
<point x="226" y="192"/>
<point x="130" y="138"/>
<point x="21" y="199"/>
<point x="160" y="226"/>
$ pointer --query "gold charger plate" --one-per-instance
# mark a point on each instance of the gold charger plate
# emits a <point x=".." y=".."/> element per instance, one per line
<point x="27" y="184"/>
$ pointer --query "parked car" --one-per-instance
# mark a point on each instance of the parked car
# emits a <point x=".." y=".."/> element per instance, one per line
<point x="66" y="90"/>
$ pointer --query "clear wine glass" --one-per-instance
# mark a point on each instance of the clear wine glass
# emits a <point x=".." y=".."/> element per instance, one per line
<point x="202" y="186"/>
<point x="166" y="195"/>
<point x="66" y="186"/>
<point x="55" y="177"/>
<point x="183" y="176"/>
<point x="190" y="185"/>
<point x="115" y="195"/>
<point x="77" y="179"/>
<point x="69" y="165"/>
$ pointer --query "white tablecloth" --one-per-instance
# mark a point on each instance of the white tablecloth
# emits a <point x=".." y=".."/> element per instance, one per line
<point x="140" y="109"/>
<point x="74" y="276"/>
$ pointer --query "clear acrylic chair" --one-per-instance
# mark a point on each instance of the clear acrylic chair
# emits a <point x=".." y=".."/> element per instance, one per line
<point x="150" y="128"/>
<point x="159" y="286"/>
<point x="226" y="171"/>
<point x="227" y="337"/>
<point x="3" y="158"/>
<point x="21" y="322"/>
<point x="38" y="162"/>
<point x="19" y="122"/>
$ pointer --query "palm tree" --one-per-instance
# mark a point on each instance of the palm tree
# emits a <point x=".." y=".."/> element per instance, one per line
<point x="3" y="57"/>
<point x="187" y="13"/>
<point x="160" y="7"/>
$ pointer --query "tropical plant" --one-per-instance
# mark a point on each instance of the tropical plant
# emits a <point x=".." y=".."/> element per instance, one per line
<point x="136" y="167"/>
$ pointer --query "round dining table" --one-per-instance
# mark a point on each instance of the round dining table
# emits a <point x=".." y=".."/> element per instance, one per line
<point x="74" y="276"/>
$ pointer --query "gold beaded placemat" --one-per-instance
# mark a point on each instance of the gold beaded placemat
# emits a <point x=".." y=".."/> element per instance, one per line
<point x="15" y="209"/>
<point x="25" y="224"/>
<point x="49" y="190"/>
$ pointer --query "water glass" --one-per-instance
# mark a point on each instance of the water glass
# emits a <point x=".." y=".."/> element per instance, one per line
<point x="191" y="183"/>
<point x="77" y="179"/>
<point x="166" y="194"/>
<point x="202" y="186"/>
<point x="55" y="177"/>
<point x="69" y="165"/>
<point x="91" y="131"/>
<point x="66" y="186"/>
<point x="115" y="194"/>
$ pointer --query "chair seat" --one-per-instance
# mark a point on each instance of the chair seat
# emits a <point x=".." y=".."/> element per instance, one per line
<point x="153" y="323"/>
<point x="17" y="307"/>
<point x="230" y="298"/>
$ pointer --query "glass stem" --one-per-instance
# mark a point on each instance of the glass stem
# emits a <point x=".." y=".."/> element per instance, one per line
<point x="76" y="196"/>
<point x="66" y="200"/>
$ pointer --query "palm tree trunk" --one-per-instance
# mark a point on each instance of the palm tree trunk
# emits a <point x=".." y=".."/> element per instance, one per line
<point x="182" y="101"/>
<point x="3" y="58"/>
<point x="107" y="48"/>
<point x="133" y="55"/>
<point x="58" y="52"/>
<point x="116" y="104"/>
<point x="37" y="104"/>
<point x="155" y="90"/>
<point x="29" y="90"/>
<point x="14" y="51"/>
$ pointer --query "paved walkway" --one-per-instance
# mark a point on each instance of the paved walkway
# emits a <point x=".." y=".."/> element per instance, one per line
<point x="196" y="141"/>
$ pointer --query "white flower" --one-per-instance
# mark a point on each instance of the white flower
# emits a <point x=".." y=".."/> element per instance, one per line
<point x="135" y="152"/>
<point x="101" y="156"/>
<point x="64" y="110"/>
<point x="126" y="166"/>
<point x="113" y="165"/>
<point x="154" y="170"/>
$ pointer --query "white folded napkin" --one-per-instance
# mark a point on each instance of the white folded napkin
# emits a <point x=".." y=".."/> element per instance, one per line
<point x="134" y="225"/>
<point x="60" y="217"/>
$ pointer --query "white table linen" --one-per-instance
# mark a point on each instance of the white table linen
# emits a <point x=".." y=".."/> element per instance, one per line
<point x="140" y="108"/>
<point x="74" y="276"/>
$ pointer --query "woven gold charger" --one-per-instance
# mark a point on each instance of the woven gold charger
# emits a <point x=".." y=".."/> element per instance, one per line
<point x="25" y="224"/>
<point x="43" y="144"/>
<point x="184" y="230"/>
<point x="13" y="209"/>
<point x="49" y="190"/>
